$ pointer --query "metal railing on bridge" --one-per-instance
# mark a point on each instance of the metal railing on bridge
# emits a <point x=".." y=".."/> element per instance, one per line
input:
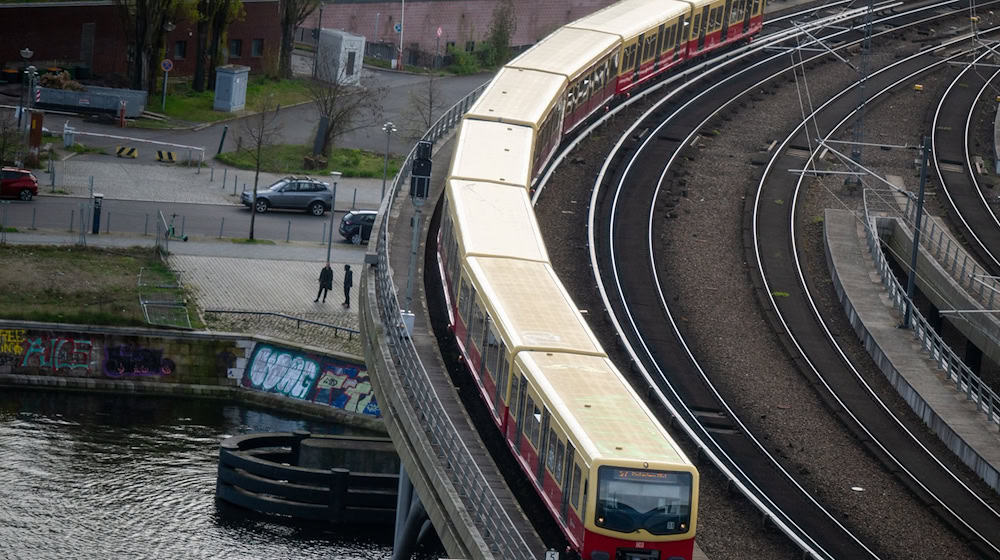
<point x="947" y="253"/>
<point x="484" y="506"/>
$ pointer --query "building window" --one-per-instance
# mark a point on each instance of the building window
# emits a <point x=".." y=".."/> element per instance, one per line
<point x="235" y="48"/>
<point x="180" y="49"/>
<point x="351" y="60"/>
<point x="470" y="46"/>
<point x="257" y="48"/>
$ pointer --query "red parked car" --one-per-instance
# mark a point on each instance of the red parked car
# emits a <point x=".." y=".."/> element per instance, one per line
<point x="18" y="183"/>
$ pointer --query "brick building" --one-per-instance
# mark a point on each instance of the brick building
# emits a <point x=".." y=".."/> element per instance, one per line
<point x="463" y="23"/>
<point x="92" y="35"/>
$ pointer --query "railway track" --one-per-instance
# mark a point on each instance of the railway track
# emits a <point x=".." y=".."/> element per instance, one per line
<point x="950" y="135"/>
<point x="689" y="394"/>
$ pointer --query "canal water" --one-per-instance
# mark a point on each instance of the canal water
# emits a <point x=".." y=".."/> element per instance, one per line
<point x="106" y="476"/>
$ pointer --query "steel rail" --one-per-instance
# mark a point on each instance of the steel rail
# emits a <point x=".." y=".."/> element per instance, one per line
<point x="700" y="439"/>
<point x="984" y="248"/>
<point x="819" y="318"/>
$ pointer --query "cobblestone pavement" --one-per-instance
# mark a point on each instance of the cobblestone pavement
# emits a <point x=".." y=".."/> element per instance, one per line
<point x="278" y="286"/>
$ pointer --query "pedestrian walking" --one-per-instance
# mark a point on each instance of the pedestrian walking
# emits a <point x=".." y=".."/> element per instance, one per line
<point x="325" y="282"/>
<point x="348" y="282"/>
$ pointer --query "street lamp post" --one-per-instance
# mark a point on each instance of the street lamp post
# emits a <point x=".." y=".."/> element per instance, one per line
<point x="388" y="128"/>
<point x="402" y="16"/>
<point x="333" y="210"/>
<point x="26" y="54"/>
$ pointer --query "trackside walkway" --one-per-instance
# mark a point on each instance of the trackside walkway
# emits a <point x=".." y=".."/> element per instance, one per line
<point x="967" y="432"/>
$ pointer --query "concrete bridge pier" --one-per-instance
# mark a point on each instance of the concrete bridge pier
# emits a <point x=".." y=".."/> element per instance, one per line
<point x="412" y="522"/>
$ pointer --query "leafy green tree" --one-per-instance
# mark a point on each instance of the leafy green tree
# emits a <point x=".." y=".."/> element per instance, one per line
<point x="146" y="24"/>
<point x="291" y="14"/>
<point x="502" y="28"/>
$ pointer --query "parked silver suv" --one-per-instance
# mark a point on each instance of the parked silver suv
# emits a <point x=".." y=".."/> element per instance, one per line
<point x="297" y="193"/>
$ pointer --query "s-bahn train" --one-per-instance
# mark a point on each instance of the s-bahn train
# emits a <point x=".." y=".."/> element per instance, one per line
<point x="610" y="475"/>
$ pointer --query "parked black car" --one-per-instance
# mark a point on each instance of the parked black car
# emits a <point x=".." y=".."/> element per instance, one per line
<point x="356" y="225"/>
<point x="297" y="193"/>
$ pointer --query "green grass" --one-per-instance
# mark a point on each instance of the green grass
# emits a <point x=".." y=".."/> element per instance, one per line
<point x="185" y="104"/>
<point x="288" y="158"/>
<point x="82" y="285"/>
<point x="82" y="149"/>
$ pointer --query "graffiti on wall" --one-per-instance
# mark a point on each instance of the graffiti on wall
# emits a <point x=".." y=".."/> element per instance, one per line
<point x="311" y="378"/>
<point x="130" y="360"/>
<point x="11" y="346"/>
<point x="64" y="354"/>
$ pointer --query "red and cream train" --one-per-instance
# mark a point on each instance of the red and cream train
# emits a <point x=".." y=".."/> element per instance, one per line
<point x="610" y="475"/>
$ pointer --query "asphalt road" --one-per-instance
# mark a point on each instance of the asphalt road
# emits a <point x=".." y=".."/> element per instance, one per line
<point x="195" y="220"/>
<point x="296" y="124"/>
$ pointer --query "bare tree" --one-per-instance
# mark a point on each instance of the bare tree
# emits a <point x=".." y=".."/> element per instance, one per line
<point x="10" y="137"/>
<point x="291" y="14"/>
<point x="145" y="27"/>
<point x="262" y="130"/>
<point x="345" y="108"/>
<point x="426" y="104"/>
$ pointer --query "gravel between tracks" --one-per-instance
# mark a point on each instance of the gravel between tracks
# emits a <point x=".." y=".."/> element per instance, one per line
<point x="702" y="261"/>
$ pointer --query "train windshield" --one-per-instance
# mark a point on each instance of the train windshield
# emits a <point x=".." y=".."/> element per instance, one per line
<point x="633" y="499"/>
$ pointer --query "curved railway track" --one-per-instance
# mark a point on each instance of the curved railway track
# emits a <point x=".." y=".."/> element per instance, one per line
<point x="950" y="148"/>
<point x="781" y="269"/>
<point x="690" y="394"/>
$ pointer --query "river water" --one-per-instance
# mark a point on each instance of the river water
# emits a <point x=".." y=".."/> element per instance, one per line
<point x="109" y="477"/>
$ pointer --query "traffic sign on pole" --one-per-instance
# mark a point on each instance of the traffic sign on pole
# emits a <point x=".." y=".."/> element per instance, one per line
<point x="439" y="32"/>
<point x="398" y="27"/>
<point x="167" y="65"/>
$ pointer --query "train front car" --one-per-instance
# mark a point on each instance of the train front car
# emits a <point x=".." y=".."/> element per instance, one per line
<point x="638" y="499"/>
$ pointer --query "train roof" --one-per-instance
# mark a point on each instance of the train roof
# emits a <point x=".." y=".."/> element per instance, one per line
<point x="567" y="51"/>
<point x="532" y="309"/>
<point x="495" y="220"/>
<point x="493" y="151"/>
<point x="597" y="405"/>
<point x="520" y="96"/>
<point x="620" y="18"/>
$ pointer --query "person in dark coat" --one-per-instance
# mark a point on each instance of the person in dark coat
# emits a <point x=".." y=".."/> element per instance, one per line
<point x="325" y="282"/>
<point x="348" y="282"/>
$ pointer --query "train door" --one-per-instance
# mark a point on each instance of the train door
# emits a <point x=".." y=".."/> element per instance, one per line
<point x="746" y="15"/>
<point x="659" y="47"/>
<point x="543" y="447"/>
<point x="702" y="27"/>
<point x="638" y="55"/>
<point x="567" y="489"/>
<point x="681" y="30"/>
<point x="519" y="414"/>
<point x="725" y="19"/>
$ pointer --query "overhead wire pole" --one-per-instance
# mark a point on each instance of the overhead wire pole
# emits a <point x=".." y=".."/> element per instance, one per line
<point x="859" y="122"/>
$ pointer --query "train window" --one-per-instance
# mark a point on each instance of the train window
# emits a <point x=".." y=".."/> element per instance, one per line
<point x="649" y="47"/>
<point x="574" y="494"/>
<point x="633" y="499"/>
<point x="532" y="420"/>
<point x="560" y="453"/>
<point x="756" y="7"/>
<point x="476" y="332"/>
<point x="514" y="388"/>
<point x="550" y="460"/>
<point x="490" y="348"/>
<point x="464" y="299"/>
<point x="669" y="43"/>
<point x="628" y="59"/>
<point x="697" y="20"/>
<point x="453" y="265"/>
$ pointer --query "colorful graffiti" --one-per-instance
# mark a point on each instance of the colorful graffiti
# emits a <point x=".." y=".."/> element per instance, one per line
<point x="56" y="353"/>
<point x="311" y="378"/>
<point x="129" y="360"/>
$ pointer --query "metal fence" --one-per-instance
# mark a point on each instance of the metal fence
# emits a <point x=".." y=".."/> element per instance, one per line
<point x="976" y="391"/>
<point x="298" y="320"/>
<point x="483" y="504"/>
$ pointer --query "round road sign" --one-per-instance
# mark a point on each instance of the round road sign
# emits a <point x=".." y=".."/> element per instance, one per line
<point x="398" y="27"/>
<point x="167" y="65"/>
